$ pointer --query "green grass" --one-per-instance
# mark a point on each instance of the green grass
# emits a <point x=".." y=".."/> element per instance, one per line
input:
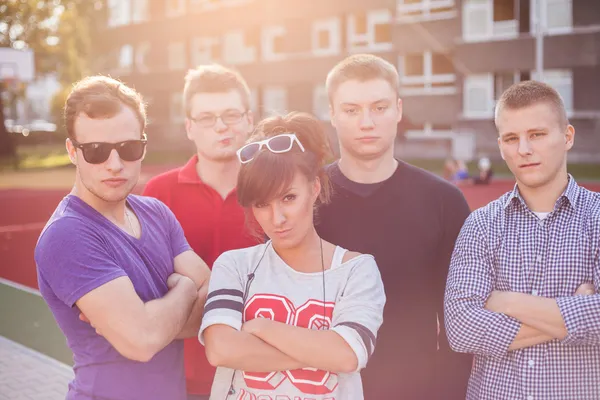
<point x="581" y="172"/>
<point x="44" y="156"/>
<point x="26" y="319"/>
<point x="40" y="156"/>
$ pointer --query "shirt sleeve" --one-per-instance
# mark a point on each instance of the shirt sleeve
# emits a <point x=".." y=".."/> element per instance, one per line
<point x="179" y="243"/>
<point x="453" y="369"/>
<point x="580" y="314"/>
<point x="224" y="302"/>
<point x="358" y="313"/>
<point x="469" y="326"/>
<point x="74" y="260"/>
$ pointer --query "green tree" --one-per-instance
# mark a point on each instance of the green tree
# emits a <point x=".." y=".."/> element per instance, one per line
<point x="58" y="31"/>
<point x="78" y="26"/>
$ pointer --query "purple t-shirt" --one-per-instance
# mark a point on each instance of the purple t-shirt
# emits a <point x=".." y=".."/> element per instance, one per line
<point x="80" y="250"/>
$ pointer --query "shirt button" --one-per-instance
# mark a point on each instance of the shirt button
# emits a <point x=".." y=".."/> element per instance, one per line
<point x="534" y="292"/>
<point x="529" y="397"/>
<point x="539" y="258"/>
<point x="531" y="364"/>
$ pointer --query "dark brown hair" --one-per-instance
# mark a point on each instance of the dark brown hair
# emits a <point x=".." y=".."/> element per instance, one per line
<point x="213" y="78"/>
<point x="269" y="174"/>
<point x="527" y="93"/>
<point x="361" y="67"/>
<point x="101" y="97"/>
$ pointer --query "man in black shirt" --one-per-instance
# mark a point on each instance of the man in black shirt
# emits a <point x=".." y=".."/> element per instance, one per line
<point x="408" y="219"/>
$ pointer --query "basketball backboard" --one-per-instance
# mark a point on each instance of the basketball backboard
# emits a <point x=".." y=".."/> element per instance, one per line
<point x="16" y="65"/>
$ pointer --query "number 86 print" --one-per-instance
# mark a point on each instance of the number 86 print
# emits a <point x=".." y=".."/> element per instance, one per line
<point x="309" y="315"/>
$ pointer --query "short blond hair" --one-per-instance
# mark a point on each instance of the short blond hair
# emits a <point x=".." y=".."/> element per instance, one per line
<point x="527" y="93"/>
<point x="214" y="78"/>
<point x="100" y="97"/>
<point x="361" y="67"/>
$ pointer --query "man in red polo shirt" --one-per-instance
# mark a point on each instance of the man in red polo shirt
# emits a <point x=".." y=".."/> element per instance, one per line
<point x="202" y="194"/>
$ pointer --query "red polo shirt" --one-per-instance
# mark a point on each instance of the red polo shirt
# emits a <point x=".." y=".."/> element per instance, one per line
<point x="212" y="226"/>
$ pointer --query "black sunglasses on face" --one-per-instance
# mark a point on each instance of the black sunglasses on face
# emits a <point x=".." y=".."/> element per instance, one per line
<point x="98" y="152"/>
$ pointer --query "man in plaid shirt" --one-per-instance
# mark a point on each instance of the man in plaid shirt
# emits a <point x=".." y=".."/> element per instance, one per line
<point x="521" y="290"/>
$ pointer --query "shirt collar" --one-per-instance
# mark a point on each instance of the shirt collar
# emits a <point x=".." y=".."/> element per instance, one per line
<point x="570" y="194"/>
<point x="188" y="173"/>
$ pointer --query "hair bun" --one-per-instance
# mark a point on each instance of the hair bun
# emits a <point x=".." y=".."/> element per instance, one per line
<point x="308" y="129"/>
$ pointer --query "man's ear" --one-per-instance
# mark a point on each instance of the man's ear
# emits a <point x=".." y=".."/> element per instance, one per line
<point x="188" y="128"/>
<point x="71" y="151"/>
<point x="500" y="148"/>
<point x="570" y="137"/>
<point x="331" y="115"/>
<point x="250" y="117"/>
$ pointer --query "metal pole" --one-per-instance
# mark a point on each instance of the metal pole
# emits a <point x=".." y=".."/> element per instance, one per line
<point x="540" y="19"/>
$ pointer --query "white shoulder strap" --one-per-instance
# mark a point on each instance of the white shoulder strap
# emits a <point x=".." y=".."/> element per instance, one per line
<point x="338" y="256"/>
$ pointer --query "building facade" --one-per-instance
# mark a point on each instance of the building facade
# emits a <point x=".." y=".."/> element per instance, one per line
<point x="454" y="57"/>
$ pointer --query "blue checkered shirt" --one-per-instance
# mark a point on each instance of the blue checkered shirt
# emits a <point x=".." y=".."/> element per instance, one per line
<point x="504" y="246"/>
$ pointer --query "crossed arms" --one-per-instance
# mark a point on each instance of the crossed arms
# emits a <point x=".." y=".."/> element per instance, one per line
<point x="139" y="330"/>
<point x="264" y="345"/>
<point x="482" y="321"/>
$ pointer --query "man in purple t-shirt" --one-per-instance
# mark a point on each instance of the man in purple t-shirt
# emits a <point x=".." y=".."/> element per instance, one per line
<point x="115" y="268"/>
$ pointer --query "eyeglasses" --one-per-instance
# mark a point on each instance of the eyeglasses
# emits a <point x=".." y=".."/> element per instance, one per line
<point x="230" y="117"/>
<point x="277" y="144"/>
<point x="98" y="152"/>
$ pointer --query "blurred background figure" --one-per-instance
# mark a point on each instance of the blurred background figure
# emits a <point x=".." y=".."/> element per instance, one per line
<point x="456" y="171"/>
<point x="485" y="172"/>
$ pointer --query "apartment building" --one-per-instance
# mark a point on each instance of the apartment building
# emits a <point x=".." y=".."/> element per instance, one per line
<point x="454" y="57"/>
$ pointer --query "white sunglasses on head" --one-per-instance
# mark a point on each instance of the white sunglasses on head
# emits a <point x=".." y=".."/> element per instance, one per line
<point x="277" y="144"/>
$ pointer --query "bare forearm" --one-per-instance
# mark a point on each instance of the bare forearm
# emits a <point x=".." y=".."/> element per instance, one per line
<point x="192" y="325"/>
<point x="541" y="313"/>
<point x="166" y="317"/>
<point x="528" y="337"/>
<point x="245" y="352"/>
<point x="324" y="350"/>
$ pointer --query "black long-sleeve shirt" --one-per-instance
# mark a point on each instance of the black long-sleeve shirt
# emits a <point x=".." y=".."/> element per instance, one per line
<point x="409" y="222"/>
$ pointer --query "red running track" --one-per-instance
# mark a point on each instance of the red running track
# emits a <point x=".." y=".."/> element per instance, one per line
<point x="23" y="214"/>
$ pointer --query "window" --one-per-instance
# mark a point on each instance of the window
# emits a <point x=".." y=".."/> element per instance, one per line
<point x="370" y="32"/>
<point x="235" y="50"/>
<point x="326" y="38"/>
<point x="503" y="81"/>
<point x="204" y="50"/>
<point x="208" y="4"/>
<point x="478" y="95"/>
<point x="489" y="19"/>
<point x="176" y="113"/>
<point x="140" y="57"/>
<point x="274" y="101"/>
<point x="558" y="16"/>
<point x="119" y="12"/>
<point x="272" y="43"/>
<point x="426" y="74"/>
<point x="423" y="10"/>
<point x="175" y="8"/>
<point x="125" y="60"/>
<point x="321" y="103"/>
<point x="203" y="5"/>
<point x="482" y="92"/>
<point x="429" y="130"/>
<point x="254" y="102"/>
<point x="176" y="56"/>
<point x="140" y="11"/>
<point x="562" y="81"/>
